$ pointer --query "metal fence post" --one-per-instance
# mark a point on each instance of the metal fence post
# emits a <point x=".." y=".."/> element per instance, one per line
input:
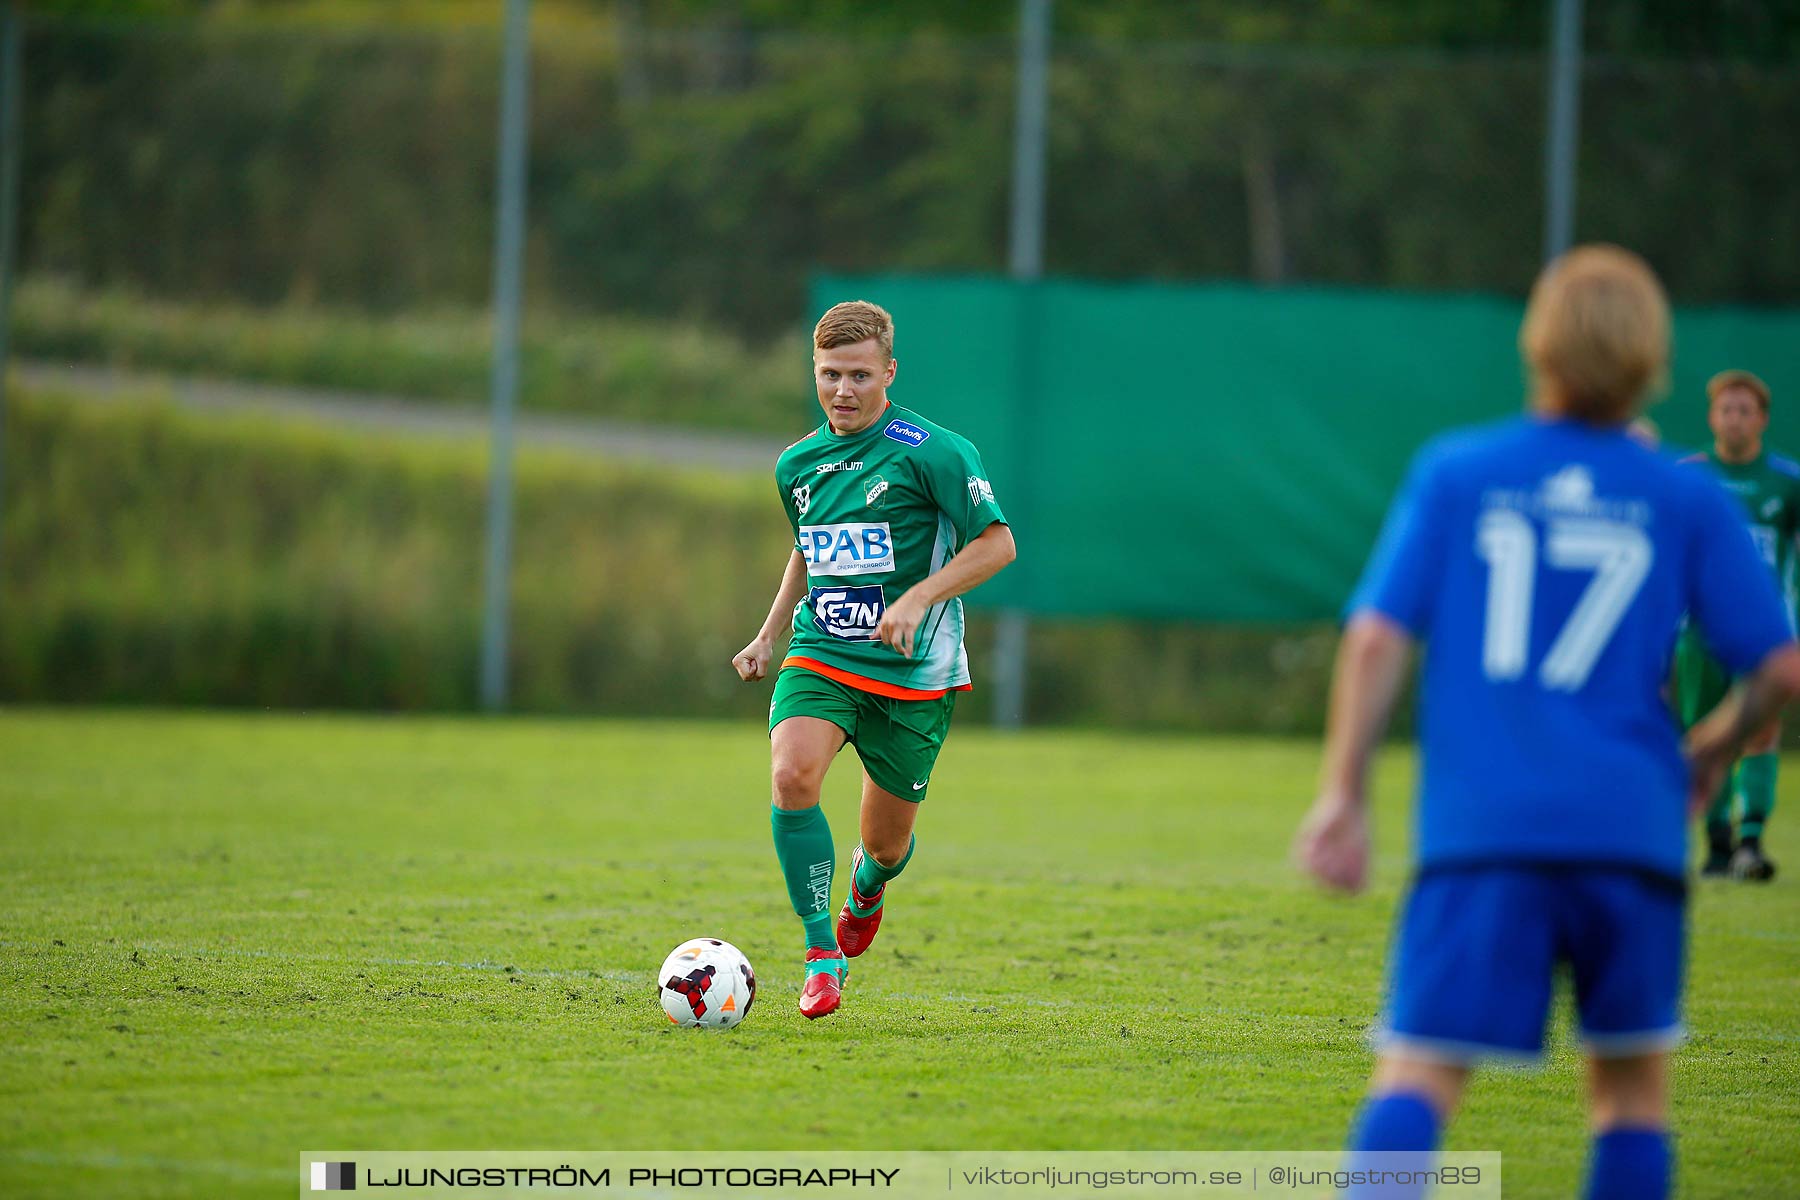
<point x="1562" y="131"/>
<point x="12" y="57"/>
<point x="509" y="247"/>
<point x="1026" y="262"/>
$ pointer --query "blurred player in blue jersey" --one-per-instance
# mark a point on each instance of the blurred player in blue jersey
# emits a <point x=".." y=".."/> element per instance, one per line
<point x="1546" y="563"/>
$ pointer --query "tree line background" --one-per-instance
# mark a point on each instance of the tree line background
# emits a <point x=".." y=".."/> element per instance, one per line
<point x="699" y="160"/>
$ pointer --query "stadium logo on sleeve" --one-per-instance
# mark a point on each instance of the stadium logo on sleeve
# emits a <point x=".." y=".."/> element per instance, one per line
<point x="334" y="1177"/>
<point x="853" y="549"/>
<point x="905" y="431"/>
<point x="850" y="613"/>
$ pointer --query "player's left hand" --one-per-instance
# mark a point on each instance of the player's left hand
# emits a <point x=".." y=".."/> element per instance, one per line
<point x="1711" y="752"/>
<point x="900" y="622"/>
<point x="1333" y="843"/>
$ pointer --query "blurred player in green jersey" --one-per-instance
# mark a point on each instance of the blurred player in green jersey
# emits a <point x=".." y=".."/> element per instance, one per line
<point x="893" y="519"/>
<point x="1769" y="487"/>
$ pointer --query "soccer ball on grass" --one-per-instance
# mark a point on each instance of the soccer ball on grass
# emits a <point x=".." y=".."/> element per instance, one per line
<point x="706" y="982"/>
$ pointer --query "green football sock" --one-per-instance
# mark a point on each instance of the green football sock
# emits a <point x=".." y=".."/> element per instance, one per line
<point x="803" y="845"/>
<point x="838" y="966"/>
<point x="821" y="932"/>
<point x="1718" y="815"/>
<point x="871" y="876"/>
<point x="1756" y="780"/>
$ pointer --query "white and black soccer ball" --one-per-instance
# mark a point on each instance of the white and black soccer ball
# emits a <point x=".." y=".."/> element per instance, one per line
<point x="706" y="982"/>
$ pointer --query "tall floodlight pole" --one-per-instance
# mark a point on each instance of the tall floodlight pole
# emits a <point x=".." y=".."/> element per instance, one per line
<point x="12" y="58"/>
<point x="1025" y="261"/>
<point x="1562" y="132"/>
<point x="509" y="247"/>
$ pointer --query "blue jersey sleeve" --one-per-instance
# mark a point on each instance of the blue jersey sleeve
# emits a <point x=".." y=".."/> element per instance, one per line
<point x="1732" y="594"/>
<point x="1399" y="580"/>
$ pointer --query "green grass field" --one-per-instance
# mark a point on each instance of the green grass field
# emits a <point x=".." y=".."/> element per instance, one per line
<point x="228" y="939"/>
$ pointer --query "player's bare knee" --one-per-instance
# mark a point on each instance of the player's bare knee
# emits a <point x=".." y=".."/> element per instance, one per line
<point x="795" y="785"/>
<point x="1629" y="1092"/>
<point x="1439" y="1083"/>
<point x="886" y="854"/>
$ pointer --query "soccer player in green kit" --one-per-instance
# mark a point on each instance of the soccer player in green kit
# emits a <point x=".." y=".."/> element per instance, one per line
<point x="1769" y="487"/>
<point x="893" y="519"/>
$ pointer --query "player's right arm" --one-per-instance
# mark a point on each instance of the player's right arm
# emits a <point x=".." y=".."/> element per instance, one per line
<point x="752" y="662"/>
<point x="1742" y="615"/>
<point x="1333" y="842"/>
<point x="1388" y="614"/>
<point x="1714" y="744"/>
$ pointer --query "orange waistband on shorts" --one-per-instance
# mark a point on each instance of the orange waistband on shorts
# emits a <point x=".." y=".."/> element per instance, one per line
<point x="864" y="684"/>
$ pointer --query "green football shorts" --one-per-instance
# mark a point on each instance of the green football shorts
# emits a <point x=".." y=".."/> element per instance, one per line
<point x="897" y="740"/>
<point x="1701" y="680"/>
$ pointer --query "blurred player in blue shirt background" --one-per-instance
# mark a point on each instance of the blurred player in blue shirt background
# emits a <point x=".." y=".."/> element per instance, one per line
<point x="1545" y="563"/>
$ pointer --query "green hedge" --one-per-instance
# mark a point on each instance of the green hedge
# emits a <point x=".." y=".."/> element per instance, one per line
<point x="157" y="557"/>
<point x="665" y="372"/>
<point x="152" y="556"/>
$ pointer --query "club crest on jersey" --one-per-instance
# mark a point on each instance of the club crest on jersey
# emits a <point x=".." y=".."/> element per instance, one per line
<point x="850" y="549"/>
<point x="905" y="431"/>
<point x="802" y="499"/>
<point x="852" y="613"/>
<point x="1570" y="488"/>
<point x="875" y="492"/>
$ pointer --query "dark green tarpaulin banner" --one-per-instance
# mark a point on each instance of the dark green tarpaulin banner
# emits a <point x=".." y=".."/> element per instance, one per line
<point x="1225" y="453"/>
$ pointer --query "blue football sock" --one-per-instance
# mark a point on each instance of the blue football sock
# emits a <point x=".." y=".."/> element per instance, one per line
<point x="1398" y="1122"/>
<point x="1395" y="1121"/>
<point x="1630" y="1164"/>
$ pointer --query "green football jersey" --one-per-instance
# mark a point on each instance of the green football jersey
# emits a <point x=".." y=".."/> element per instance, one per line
<point x="1769" y="488"/>
<point x="873" y="514"/>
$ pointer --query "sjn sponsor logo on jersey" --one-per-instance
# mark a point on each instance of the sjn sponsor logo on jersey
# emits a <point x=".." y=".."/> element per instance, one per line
<point x="853" y="549"/>
<point x="852" y="613"/>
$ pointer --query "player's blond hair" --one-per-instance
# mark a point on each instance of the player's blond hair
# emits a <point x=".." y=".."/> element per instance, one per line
<point x="1739" y="379"/>
<point x="855" y="321"/>
<point x="1596" y="332"/>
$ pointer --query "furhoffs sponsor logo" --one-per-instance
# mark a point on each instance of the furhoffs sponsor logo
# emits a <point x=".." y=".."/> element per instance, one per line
<point x="906" y="431"/>
<point x="334" y="1177"/>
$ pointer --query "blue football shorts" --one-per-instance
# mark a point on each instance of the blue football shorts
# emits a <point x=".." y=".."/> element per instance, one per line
<point x="1477" y="949"/>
